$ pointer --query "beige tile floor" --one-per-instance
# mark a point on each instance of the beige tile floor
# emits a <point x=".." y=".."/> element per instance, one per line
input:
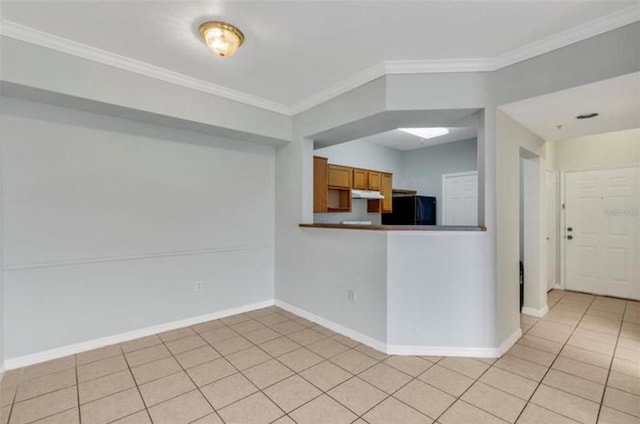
<point x="579" y="364"/>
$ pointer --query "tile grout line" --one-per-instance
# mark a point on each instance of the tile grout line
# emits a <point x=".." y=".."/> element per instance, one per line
<point x="324" y="359"/>
<point x="135" y="382"/>
<point x="459" y="398"/>
<point x="259" y="390"/>
<point x="555" y="359"/>
<point x="13" y="403"/>
<point x="75" y="360"/>
<point x="413" y="378"/>
<point x="613" y="356"/>
<point x="190" y="379"/>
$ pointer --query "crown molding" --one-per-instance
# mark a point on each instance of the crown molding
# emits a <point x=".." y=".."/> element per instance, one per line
<point x="354" y="81"/>
<point x="43" y="39"/>
<point x="587" y="30"/>
<point x="439" y="66"/>
<point x="389" y="68"/>
<point x="573" y="35"/>
<point x="582" y="32"/>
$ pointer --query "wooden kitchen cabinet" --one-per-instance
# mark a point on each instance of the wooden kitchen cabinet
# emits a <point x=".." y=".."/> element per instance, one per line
<point x="332" y="185"/>
<point x="383" y="205"/>
<point x="340" y="176"/>
<point x="339" y="200"/>
<point x="386" y="189"/>
<point x="360" y="179"/>
<point x="374" y="181"/>
<point x="320" y="184"/>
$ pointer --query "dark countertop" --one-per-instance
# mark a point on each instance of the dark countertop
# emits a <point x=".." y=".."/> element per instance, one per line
<point x="396" y="227"/>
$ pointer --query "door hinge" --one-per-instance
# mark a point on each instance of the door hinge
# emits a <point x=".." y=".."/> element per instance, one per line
<point x="563" y="206"/>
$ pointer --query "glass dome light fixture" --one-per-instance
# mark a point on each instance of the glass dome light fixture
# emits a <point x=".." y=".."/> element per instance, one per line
<point x="222" y="38"/>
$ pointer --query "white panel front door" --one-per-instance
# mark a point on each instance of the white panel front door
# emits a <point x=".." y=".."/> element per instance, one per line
<point x="551" y="224"/>
<point x="460" y="197"/>
<point x="603" y="232"/>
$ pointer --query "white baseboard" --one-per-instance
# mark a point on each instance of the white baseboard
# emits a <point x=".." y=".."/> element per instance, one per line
<point x="478" y="352"/>
<point x="539" y="313"/>
<point x="474" y="352"/>
<point x="35" y="358"/>
<point x="359" y="337"/>
<point x="509" y="342"/>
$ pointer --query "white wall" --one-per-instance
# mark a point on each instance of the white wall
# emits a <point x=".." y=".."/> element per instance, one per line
<point x="360" y="154"/>
<point x="601" y="151"/>
<point x="439" y="293"/>
<point x="423" y="168"/>
<point x="75" y="80"/>
<point x="511" y="139"/>
<point x="2" y="356"/>
<point x="108" y="224"/>
<point x="336" y="261"/>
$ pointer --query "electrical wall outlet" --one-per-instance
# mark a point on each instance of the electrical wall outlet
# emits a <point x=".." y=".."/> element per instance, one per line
<point x="199" y="285"/>
<point x="352" y="296"/>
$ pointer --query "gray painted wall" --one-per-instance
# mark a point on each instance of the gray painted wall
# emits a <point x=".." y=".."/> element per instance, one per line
<point x="361" y="154"/>
<point x="423" y="168"/>
<point x="108" y="224"/>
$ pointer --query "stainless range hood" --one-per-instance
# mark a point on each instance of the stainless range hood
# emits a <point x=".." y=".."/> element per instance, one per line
<point x="366" y="194"/>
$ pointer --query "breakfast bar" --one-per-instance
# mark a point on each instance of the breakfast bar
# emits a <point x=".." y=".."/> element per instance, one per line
<point x="405" y="290"/>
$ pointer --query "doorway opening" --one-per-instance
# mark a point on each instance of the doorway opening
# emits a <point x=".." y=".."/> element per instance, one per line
<point x="533" y="287"/>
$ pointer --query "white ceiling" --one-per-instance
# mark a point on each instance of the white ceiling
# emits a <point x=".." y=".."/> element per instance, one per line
<point x="296" y="49"/>
<point x="617" y="101"/>
<point x="401" y="140"/>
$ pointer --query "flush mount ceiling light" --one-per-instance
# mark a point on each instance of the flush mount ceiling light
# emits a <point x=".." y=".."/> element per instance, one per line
<point x="222" y="38"/>
<point x="587" y="116"/>
<point x="425" y="133"/>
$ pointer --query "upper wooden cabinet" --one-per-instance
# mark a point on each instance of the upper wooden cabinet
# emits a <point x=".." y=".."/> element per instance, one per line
<point x="332" y="186"/>
<point x="386" y="184"/>
<point x="340" y="176"/>
<point x="320" y="183"/>
<point x="384" y="205"/>
<point x="360" y="179"/>
<point x="366" y="180"/>
<point x="374" y="181"/>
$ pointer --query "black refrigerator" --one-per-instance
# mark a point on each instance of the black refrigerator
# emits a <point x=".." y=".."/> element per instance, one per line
<point x="411" y="210"/>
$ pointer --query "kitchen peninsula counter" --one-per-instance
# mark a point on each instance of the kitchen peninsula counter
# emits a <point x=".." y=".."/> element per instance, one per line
<point x="420" y="290"/>
<point x="395" y="227"/>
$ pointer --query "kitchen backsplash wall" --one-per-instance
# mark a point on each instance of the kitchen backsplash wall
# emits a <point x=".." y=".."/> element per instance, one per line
<point x="358" y="213"/>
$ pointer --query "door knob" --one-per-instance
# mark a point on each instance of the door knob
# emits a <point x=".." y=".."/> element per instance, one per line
<point x="570" y="237"/>
<point x="569" y="228"/>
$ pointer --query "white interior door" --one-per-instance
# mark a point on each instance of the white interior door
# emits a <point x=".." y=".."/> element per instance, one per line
<point x="603" y="232"/>
<point x="460" y="197"/>
<point x="551" y="226"/>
